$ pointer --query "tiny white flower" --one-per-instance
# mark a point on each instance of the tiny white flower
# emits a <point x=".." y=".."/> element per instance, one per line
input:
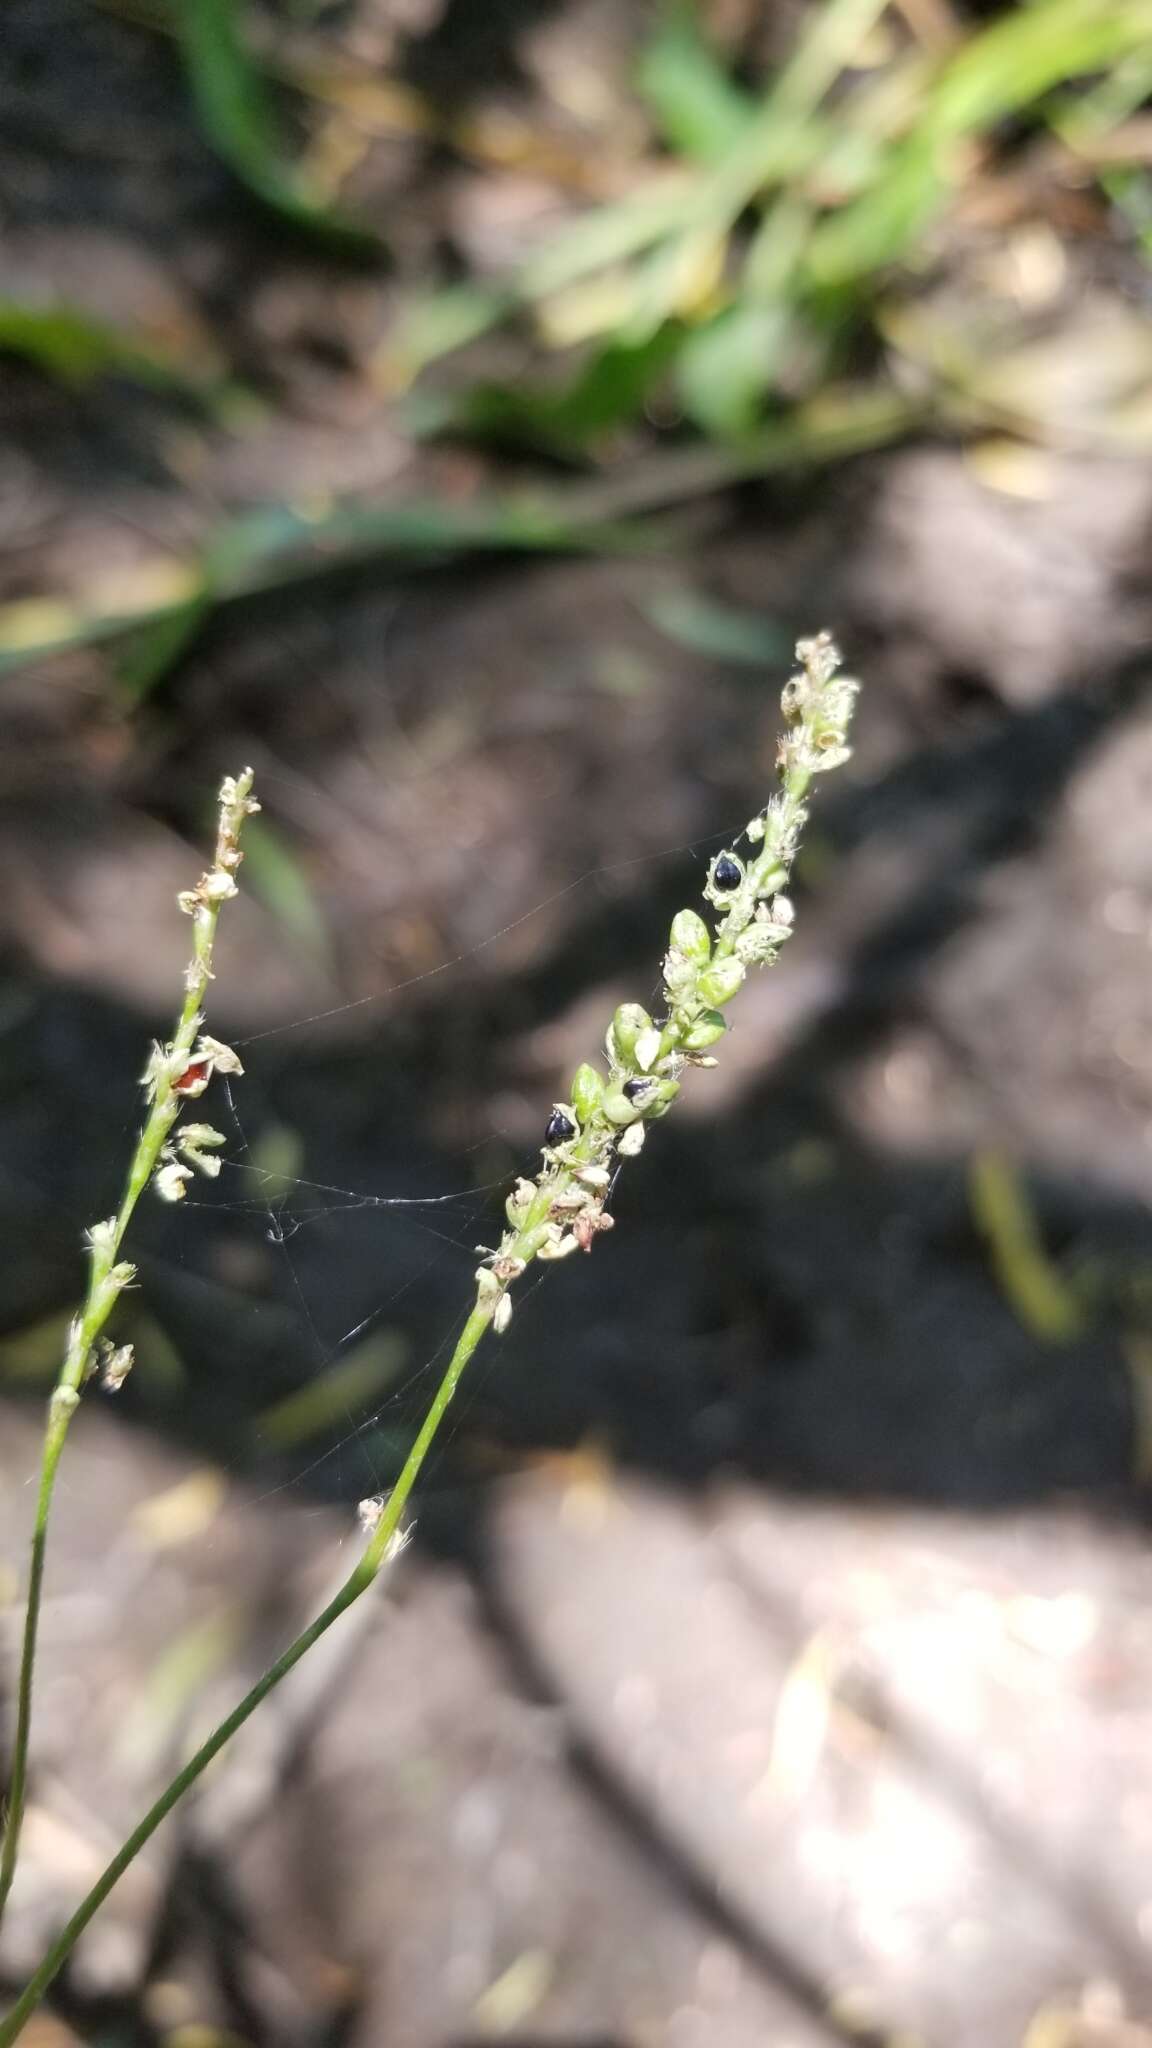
<point x="195" y="1136"/>
<point x="829" y="757"/>
<point x="647" y="1049"/>
<point x="557" y="1245"/>
<point x="221" y="1058"/>
<point x="230" y="794"/>
<point x="218" y="886"/>
<point x="631" y="1141"/>
<point x="170" y="1181"/>
<point x="594" y="1176"/>
<point x="194" y="1142"/>
<point x="115" y="1365"/>
<point x="679" y="973"/>
<point x="502" y="1314"/>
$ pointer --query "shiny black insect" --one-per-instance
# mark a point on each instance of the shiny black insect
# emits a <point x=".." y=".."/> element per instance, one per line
<point x="727" y="873"/>
<point x="560" y="1127"/>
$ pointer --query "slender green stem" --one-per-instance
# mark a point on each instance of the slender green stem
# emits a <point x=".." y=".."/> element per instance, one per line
<point x="375" y="1554"/>
<point x="54" y="1435"/>
<point x="563" y="1209"/>
<point x="107" y="1278"/>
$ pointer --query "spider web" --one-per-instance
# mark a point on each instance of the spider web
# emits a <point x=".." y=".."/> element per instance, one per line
<point x="450" y="1219"/>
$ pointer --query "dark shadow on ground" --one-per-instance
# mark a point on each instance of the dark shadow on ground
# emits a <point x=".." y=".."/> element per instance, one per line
<point x="779" y="1294"/>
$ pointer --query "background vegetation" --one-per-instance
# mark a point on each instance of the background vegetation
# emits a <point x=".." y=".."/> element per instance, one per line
<point x="459" y="412"/>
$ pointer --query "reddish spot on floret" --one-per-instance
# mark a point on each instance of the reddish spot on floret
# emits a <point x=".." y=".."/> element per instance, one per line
<point x="192" y="1076"/>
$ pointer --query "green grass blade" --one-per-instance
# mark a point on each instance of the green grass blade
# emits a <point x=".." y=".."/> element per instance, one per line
<point x="696" y="105"/>
<point x="232" y="100"/>
<point x="1001" y="71"/>
<point x="279" y="879"/>
<point x="723" y="632"/>
<point x="276" y="547"/>
<point x="76" y="348"/>
<point x="607" y="392"/>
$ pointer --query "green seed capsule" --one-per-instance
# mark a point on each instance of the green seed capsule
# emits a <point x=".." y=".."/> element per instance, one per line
<point x="691" y="937"/>
<point x="519" y="1202"/>
<point x="704" y="1032"/>
<point x="618" y="1108"/>
<point x="662" y="1099"/>
<point x="720" y="982"/>
<point x="586" y="1091"/>
<point x="679" y="975"/>
<point x="630" y="1020"/>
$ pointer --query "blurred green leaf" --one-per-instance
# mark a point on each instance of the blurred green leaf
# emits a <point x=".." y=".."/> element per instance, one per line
<point x="1031" y="1282"/>
<point x="515" y="1995"/>
<point x="831" y="42"/>
<point x="1131" y="195"/>
<point x="435" y="325"/>
<point x="784" y="141"/>
<point x="859" y="242"/>
<point x="851" y="155"/>
<point x="612" y="386"/>
<point x="607" y="235"/>
<point x="1028" y="51"/>
<point x="697" y="106"/>
<point x="334" y="1396"/>
<point x="76" y="348"/>
<point x="276" y="547"/>
<point x="728" y="365"/>
<point x="154" y="649"/>
<point x="233" y="101"/>
<point x="160" y="1704"/>
<point x="721" y="631"/>
<point x="675" y="227"/>
<point x="162" y="1373"/>
<point x="776" y="251"/>
<point x="276" y="1153"/>
<point x="607" y="392"/>
<point x="280" y="881"/>
<point x="1089" y="116"/>
<point x="1022" y="56"/>
<point x="32" y="1356"/>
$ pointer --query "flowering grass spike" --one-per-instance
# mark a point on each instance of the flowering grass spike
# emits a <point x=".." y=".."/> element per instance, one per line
<point x="562" y="1210"/>
<point x="559" y="1212"/>
<point x="166" y="1155"/>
